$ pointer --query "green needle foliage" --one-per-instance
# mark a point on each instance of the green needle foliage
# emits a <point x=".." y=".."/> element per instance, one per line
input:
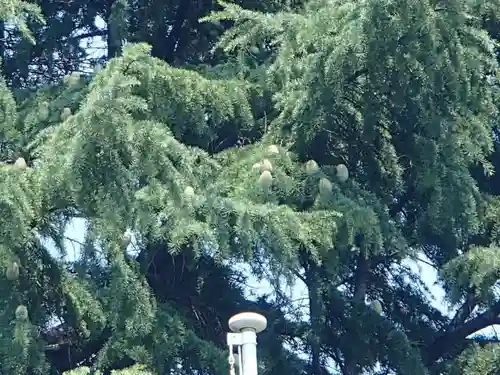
<point x="328" y="144"/>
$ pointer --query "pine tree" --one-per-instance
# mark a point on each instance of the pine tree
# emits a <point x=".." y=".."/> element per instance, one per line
<point x="398" y="93"/>
<point x="379" y="115"/>
<point x="118" y="165"/>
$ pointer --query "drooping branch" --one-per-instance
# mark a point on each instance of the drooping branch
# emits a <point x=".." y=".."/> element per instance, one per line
<point x="449" y="341"/>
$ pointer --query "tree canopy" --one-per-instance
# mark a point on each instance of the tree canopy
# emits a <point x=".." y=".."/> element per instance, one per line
<point x="322" y="143"/>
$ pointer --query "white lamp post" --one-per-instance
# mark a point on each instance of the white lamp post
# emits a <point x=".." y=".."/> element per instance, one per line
<point x="245" y="327"/>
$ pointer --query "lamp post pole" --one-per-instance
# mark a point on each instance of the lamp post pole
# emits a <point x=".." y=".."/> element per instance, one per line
<point x="245" y="327"/>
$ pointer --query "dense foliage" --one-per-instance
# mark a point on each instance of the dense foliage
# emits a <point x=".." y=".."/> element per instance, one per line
<point x="324" y="143"/>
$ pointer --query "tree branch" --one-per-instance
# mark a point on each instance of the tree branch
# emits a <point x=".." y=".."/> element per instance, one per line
<point x="451" y="339"/>
<point x="483" y="341"/>
<point x="362" y="270"/>
<point x="464" y="311"/>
